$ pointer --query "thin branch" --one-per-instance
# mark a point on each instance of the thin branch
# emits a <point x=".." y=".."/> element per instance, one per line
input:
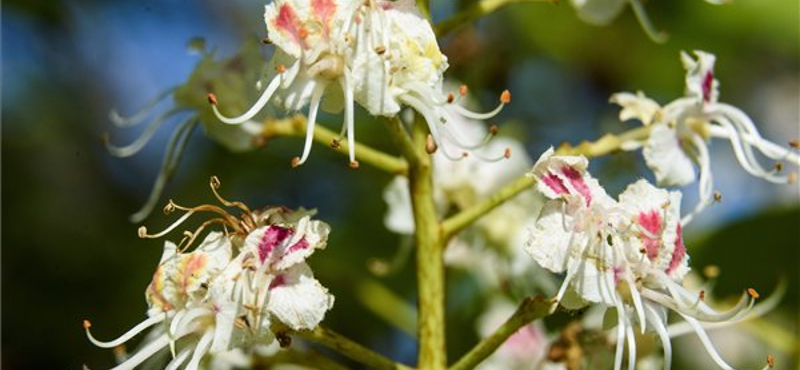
<point x="529" y="310"/>
<point x="296" y="126"/>
<point x="350" y="349"/>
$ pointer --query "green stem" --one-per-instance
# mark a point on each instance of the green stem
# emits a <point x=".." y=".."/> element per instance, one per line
<point x="430" y="246"/>
<point x="387" y="305"/>
<point x="296" y="126"/>
<point x="295" y="357"/>
<point x="529" y="310"/>
<point x="474" y="12"/>
<point x="607" y="144"/>
<point x="350" y="349"/>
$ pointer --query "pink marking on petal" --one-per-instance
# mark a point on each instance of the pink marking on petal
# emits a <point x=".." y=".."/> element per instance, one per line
<point x="577" y="181"/>
<point x="678" y="253"/>
<point x="300" y="245"/>
<point x="273" y="236"/>
<point x="288" y="22"/>
<point x="554" y="183"/>
<point x="708" y="81"/>
<point x="651" y="222"/>
<point x="617" y="272"/>
<point x="279" y="280"/>
<point x="324" y="10"/>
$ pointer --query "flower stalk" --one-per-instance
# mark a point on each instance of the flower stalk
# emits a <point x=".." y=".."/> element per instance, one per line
<point x="296" y="126"/>
<point x="430" y="265"/>
<point x="529" y="310"/>
<point x="348" y="348"/>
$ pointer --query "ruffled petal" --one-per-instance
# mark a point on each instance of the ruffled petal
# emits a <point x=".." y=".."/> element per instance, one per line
<point x="297" y="299"/>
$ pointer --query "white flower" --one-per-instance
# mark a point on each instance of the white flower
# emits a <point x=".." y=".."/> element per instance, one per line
<point x="628" y="255"/>
<point x="227" y="293"/>
<point x="189" y="107"/>
<point x="381" y="54"/>
<point x="680" y="129"/>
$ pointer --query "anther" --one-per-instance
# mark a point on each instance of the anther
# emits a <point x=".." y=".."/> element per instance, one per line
<point x="778" y="166"/>
<point x="464" y="155"/>
<point x="280" y="68"/>
<point x="794" y="144"/>
<point x="702" y="295"/>
<point x="212" y="99"/>
<point x="505" y="97"/>
<point x="717" y="196"/>
<point x="507" y="153"/>
<point x="430" y="145"/>
<point x="302" y="33"/>
<point x="493" y="129"/>
<point x="266" y="41"/>
<point x="353" y="164"/>
<point x="142" y="232"/>
<point x="792" y="178"/>
<point x="86" y="324"/>
<point x="450" y="98"/>
<point x="380" y="49"/>
<point x="335" y="144"/>
<point x="284" y="340"/>
<point x="752" y="292"/>
<point x="295" y="162"/>
<point x="462" y="90"/>
<point x="215" y="183"/>
<point x="770" y="360"/>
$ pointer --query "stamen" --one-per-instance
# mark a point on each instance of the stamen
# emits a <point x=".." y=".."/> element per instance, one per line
<point x="648" y="27"/>
<point x="353" y="165"/>
<point x="663" y="335"/>
<point x="260" y="103"/>
<point x="215" y="185"/>
<point x="172" y="156"/>
<point x="202" y="347"/>
<point x="770" y="361"/>
<point x="142" y="140"/>
<point x="430" y="145"/>
<point x="139" y="116"/>
<point x="752" y="292"/>
<point x="150" y="321"/>
<point x="178" y="360"/>
<point x="149" y="350"/>
<point x="316" y="98"/>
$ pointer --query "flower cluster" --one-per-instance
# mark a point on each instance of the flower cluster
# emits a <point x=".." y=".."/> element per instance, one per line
<point x="679" y="132"/>
<point x="229" y="292"/>
<point x="627" y="254"/>
<point x="382" y="54"/>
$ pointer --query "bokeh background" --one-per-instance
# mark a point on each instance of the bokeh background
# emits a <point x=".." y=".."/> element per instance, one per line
<point x="70" y="253"/>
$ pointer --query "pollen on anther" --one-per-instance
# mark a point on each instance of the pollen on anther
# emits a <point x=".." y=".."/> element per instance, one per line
<point x="462" y="90"/>
<point x="465" y="154"/>
<point x="752" y="292"/>
<point x="354" y="165"/>
<point x="505" y="97"/>
<point x="794" y="144"/>
<point x="493" y="129"/>
<point x="266" y="41"/>
<point x="280" y="68"/>
<point x="295" y="162"/>
<point x="380" y="49"/>
<point x="702" y="295"/>
<point x="212" y="99"/>
<point x="450" y="98"/>
<point x="717" y="196"/>
<point x="87" y="324"/>
<point x="142" y="232"/>
<point x="215" y="183"/>
<point x="770" y="360"/>
<point x="430" y="145"/>
<point x="507" y="153"/>
<point x="778" y="166"/>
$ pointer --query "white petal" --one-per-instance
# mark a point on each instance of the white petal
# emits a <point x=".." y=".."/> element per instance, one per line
<point x="636" y="106"/>
<point x="549" y="243"/>
<point x="399" y="217"/>
<point x="301" y="301"/>
<point x="665" y="156"/>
